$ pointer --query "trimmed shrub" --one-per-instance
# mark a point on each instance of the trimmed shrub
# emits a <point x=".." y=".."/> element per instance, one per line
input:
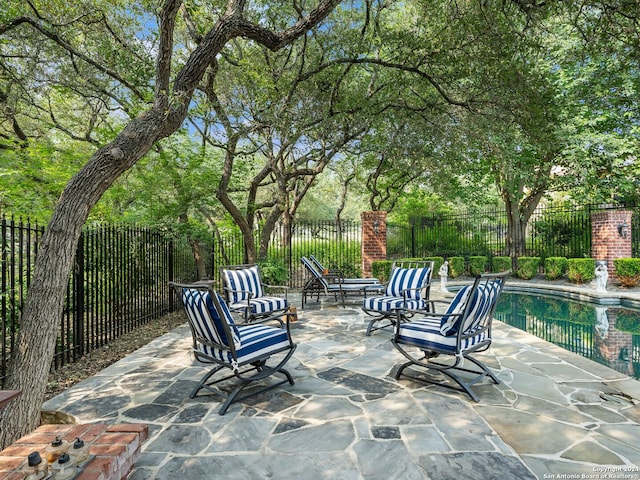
<point x="554" y="267"/>
<point x="273" y="271"/>
<point x="477" y="264"/>
<point x="527" y="267"/>
<point x="456" y="266"/>
<point x="381" y="269"/>
<point x="581" y="270"/>
<point x="437" y="263"/>
<point x="501" y="264"/>
<point x="628" y="271"/>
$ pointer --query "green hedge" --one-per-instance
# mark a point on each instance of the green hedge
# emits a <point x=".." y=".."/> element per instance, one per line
<point x="527" y="267"/>
<point x="456" y="266"/>
<point x="478" y="264"/>
<point x="628" y="271"/>
<point x="581" y="270"/>
<point x="555" y="267"/>
<point x="501" y="264"/>
<point x="381" y="269"/>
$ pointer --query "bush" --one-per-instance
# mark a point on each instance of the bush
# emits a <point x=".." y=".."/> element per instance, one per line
<point x="527" y="267"/>
<point x="501" y="264"/>
<point x="581" y="270"/>
<point x="273" y="272"/>
<point x="437" y="263"/>
<point x="381" y="269"/>
<point x="628" y="271"/>
<point x="477" y="264"/>
<point x="554" y="267"/>
<point x="456" y="266"/>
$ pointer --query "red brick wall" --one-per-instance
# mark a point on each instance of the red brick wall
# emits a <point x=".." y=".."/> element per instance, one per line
<point x="606" y="242"/>
<point x="374" y="245"/>
<point x="113" y="449"/>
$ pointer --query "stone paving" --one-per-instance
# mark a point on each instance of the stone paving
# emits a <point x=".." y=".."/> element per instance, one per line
<point x="555" y="414"/>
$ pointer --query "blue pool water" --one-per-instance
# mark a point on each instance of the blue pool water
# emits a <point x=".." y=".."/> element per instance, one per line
<point x="605" y="334"/>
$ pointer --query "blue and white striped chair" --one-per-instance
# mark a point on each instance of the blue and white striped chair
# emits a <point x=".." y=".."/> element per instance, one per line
<point x="442" y="342"/>
<point x="335" y="284"/>
<point x="246" y="294"/>
<point x="408" y="289"/>
<point x="241" y="348"/>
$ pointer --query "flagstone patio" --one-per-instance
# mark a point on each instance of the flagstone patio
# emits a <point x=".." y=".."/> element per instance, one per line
<point x="554" y="414"/>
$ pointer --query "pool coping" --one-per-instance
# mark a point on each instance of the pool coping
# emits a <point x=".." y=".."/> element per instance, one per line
<point x="629" y="298"/>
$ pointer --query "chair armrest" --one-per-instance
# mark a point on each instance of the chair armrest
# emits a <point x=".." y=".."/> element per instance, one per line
<point x="404" y="291"/>
<point x="379" y="287"/>
<point x="333" y="278"/>
<point x="284" y="288"/>
<point x="400" y="312"/>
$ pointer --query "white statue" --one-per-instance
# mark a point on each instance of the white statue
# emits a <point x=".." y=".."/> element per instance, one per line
<point x="602" y="322"/>
<point x="602" y="275"/>
<point x="443" y="272"/>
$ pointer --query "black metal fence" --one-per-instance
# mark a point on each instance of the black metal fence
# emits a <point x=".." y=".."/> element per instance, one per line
<point x="120" y="277"/>
<point x="553" y="231"/>
<point x="119" y="283"/>
<point x="337" y="245"/>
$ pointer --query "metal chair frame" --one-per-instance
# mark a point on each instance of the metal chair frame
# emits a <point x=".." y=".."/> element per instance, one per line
<point x="248" y="370"/>
<point x="448" y="360"/>
<point x="330" y="284"/>
<point x="246" y="310"/>
<point x="391" y="316"/>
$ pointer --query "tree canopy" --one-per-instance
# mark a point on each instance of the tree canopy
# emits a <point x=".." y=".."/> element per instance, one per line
<point x="189" y="114"/>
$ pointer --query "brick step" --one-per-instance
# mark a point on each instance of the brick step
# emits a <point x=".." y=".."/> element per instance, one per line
<point x="113" y="449"/>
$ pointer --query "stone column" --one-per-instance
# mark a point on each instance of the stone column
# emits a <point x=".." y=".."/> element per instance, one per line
<point x="610" y="239"/>
<point x="374" y="239"/>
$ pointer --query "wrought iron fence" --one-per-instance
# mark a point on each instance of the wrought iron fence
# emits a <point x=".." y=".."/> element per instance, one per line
<point x="337" y="245"/>
<point x="119" y="283"/>
<point x="553" y="231"/>
<point x="120" y="277"/>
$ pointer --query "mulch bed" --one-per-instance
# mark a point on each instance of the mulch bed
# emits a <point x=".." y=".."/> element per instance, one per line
<point x="90" y="364"/>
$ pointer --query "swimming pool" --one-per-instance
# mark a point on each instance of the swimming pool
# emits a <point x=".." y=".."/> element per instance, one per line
<point x="609" y="335"/>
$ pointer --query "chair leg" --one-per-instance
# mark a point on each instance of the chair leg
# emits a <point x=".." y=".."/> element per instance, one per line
<point x="449" y="371"/>
<point x="372" y="328"/>
<point x="233" y="396"/>
<point x="262" y="371"/>
<point x="391" y="317"/>
<point x="204" y="381"/>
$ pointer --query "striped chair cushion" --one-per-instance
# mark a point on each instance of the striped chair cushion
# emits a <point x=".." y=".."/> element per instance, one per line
<point x="387" y="304"/>
<point x="258" y="341"/>
<point x="425" y="334"/>
<point x="479" y="305"/>
<point x="244" y="284"/>
<point x="404" y="278"/>
<point x="314" y="272"/>
<point x="263" y="305"/>
<point x="487" y="297"/>
<point x="205" y="319"/>
<point x="449" y="323"/>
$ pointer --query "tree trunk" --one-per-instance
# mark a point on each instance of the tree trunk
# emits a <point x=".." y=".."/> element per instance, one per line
<point x="35" y="345"/>
<point x="31" y="360"/>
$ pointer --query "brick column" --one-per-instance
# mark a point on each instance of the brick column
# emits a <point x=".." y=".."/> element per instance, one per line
<point x="606" y="241"/>
<point x="374" y="239"/>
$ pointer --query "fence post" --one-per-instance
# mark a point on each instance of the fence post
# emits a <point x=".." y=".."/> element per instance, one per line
<point x="413" y="240"/>
<point x="170" y="273"/>
<point x="611" y="236"/>
<point x="78" y="300"/>
<point x="374" y="239"/>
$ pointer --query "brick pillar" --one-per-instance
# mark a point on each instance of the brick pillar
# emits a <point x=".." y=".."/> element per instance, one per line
<point x="374" y="239"/>
<point x="606" y="241"/>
